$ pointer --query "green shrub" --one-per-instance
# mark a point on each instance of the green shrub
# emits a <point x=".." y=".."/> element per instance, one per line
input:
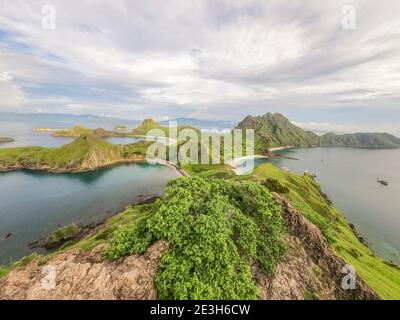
<point x="216" y="229"/>
<point x="275" y="186"/>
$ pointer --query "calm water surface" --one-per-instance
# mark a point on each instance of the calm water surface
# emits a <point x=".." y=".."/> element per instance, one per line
<point x="349" y="177"/>
<point x="34" y="204"/>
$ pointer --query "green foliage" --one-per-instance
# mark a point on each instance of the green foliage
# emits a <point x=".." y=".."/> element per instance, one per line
<point x="216" y="228"/>
<point x="62" y="234"/>
<point x="3" y="271"/>
<point x="309" y="295"/>
<point x="274" y="185"/>
<point x="72" y="153"/>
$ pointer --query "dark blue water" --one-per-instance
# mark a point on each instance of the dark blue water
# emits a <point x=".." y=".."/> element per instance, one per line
<point x="34" y="204"/>
<point x="349" y="177"/>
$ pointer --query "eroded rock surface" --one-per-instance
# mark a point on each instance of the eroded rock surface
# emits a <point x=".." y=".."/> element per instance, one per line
<point x="310" y="268"/>
<point x="85" y="275"/>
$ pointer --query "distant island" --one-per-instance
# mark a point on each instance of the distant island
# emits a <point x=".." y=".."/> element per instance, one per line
<point x="6" y="140"/>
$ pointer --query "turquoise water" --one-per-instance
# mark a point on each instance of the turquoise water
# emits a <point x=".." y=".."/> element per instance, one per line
<point x="34" y="204"/>
<point x="349" y="177"/>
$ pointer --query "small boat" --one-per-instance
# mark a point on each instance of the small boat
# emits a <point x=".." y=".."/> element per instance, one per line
<point x="383" y="182"/>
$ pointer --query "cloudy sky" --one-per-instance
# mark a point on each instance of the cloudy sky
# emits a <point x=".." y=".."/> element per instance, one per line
<point x="217" y="59"/>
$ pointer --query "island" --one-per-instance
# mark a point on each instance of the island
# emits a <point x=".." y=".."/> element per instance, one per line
<point x="6" y="140"/>
<point x="273" y="131"/>
<point x="86" y="153"/>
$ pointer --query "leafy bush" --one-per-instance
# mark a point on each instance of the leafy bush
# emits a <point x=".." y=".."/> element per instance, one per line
<point x="275" y="186"/>
<point x="216" y="229"/>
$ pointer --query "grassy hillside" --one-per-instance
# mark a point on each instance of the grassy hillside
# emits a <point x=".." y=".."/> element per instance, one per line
<point x="74" y="152"/>
<point x="274" y="130"/>
<point x="305" y="194"/>
<point x="88" y="152"/>
<point x="361" y="140"/>
<point x="147" y="125"/>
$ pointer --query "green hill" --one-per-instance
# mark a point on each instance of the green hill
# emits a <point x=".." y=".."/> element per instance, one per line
<point x="146" y="126"/>
<point x="361" y="140"/>
<point x="275" y="130"/>
<point x="87" y="152"/>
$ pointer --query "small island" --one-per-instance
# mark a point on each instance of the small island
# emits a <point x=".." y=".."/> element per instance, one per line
<point x="88" y="152"/>
<point x="6" y="140"/>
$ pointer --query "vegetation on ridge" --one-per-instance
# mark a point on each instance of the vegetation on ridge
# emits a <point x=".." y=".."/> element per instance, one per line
<point x="216" y="229"/>
<point x="305" y="194"/>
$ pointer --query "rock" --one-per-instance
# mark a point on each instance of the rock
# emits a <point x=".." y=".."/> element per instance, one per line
<point x="86" y="275"/>
<point x="310" y="265"/>
<point x="61" y="235"/>
<point x="8" y="236"/>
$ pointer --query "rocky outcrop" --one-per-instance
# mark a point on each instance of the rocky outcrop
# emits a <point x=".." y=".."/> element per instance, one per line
<point x="310" y="266"/>
<point x="79" y="275"/>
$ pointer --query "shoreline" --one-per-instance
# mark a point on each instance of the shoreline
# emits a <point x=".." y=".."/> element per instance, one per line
<point x="280" y="148"/>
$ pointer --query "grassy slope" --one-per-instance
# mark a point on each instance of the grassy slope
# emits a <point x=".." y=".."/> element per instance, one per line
<point x="274" y="130"/>
<point x="306" y="195"/>
<point x="75" y="151"/>
<point x="361" y="140"/>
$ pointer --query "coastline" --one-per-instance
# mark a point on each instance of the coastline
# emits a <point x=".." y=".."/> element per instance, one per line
<point x="280" y="148"/>
<point x="234" y="162"/>
<point x="55" y="170"/>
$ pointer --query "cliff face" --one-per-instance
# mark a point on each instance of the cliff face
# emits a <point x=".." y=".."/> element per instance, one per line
<point x="84" y="275"/>
<point x="309" y="269"/>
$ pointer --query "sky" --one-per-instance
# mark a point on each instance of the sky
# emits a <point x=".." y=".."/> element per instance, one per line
<point x="205" y="59"/>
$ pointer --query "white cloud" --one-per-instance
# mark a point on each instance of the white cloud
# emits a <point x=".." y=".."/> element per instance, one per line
<point x="199" y="58"/>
